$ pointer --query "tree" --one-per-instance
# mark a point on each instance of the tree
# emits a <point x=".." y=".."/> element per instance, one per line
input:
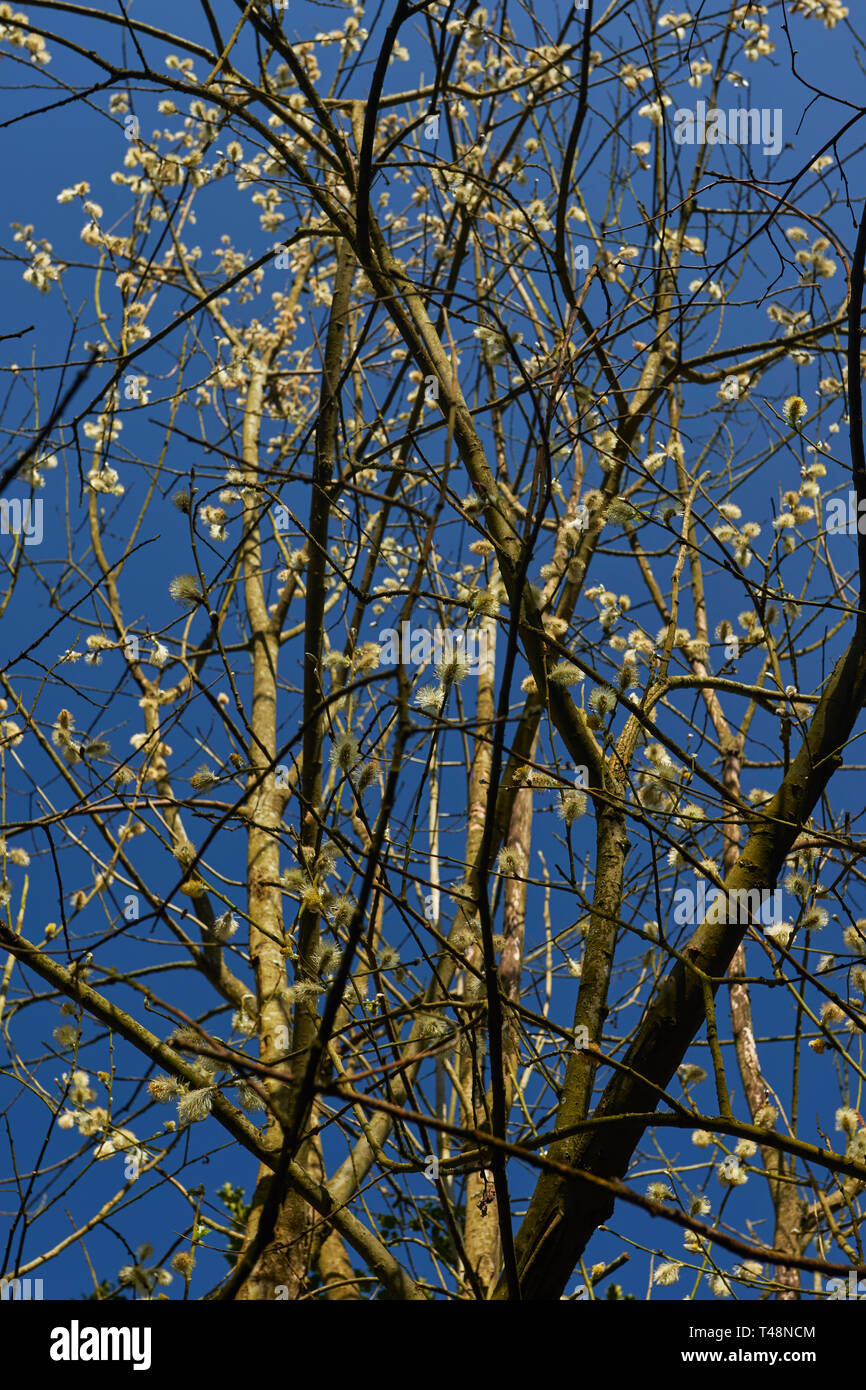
<point x="495" y="453"/>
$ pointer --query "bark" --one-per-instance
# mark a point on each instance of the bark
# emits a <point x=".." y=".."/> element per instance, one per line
<point x="565" y="1213"/>
<point x="285" y="1259"/>
<point x="786" y="1200"/>
<point x="481" y="1232"/>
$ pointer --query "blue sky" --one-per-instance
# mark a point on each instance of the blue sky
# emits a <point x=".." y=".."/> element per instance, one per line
<point x="82" y="141"/>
